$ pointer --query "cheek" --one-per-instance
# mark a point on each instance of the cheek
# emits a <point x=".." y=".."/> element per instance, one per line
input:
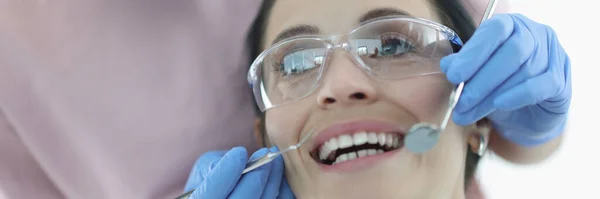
<point x="451" y="147"/>
<point x="426" y="97"/>
<point x="284" y="124"/>
<point x="445" y="163"/>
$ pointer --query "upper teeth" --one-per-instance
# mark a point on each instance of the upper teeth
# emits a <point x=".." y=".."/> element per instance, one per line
<point x="344" y="141"/>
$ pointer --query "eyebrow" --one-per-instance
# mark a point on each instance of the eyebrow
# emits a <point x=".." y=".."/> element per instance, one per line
<point x="381" y="12"/>
<point x="304" y="29"/>
<point x="296" y="31"/>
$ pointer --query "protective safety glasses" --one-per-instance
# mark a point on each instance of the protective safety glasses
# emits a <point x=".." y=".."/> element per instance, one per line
<point x="391" y="48"/>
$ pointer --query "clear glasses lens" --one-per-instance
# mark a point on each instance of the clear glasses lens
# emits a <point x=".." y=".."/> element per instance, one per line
<point x="389" y="48"/>
<point x="291" y="70"/>
<point x="399" y="49"/>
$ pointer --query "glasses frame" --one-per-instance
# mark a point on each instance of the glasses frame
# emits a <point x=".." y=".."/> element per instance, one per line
<point x="332" y="42"/>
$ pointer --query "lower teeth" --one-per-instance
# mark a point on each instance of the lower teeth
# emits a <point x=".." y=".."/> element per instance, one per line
<point x="342" y="155"/>
<point x="335" y="159"/>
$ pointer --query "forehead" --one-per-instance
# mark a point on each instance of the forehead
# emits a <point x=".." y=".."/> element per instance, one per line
<point x="336" y="16"/>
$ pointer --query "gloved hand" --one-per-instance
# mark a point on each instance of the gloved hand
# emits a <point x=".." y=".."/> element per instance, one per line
<point x="517" y="74"/>
<point x="218" y="175"/>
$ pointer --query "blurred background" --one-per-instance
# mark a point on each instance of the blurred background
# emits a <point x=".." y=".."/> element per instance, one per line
<point x="574" y="171"/>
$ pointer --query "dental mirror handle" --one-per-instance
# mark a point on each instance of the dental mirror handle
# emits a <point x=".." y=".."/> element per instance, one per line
<point x="454" y="97"/>
<point x="489" y="10"/>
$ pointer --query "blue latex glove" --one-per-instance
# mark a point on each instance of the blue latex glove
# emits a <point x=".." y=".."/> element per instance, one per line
<point x="218" y="175"/>
<point x="517" y="74"/>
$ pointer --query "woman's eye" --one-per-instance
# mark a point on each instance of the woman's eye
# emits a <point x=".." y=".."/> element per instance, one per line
<point x="299" y="62"/>
<point x="395" y="47"/>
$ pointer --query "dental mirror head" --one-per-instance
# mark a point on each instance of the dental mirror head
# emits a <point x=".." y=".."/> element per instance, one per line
<point x="421" y="137"/>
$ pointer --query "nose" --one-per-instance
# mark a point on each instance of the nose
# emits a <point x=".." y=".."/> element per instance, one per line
<point x="345" y="84"/>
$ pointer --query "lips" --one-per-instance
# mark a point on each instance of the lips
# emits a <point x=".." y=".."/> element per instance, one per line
<point x="355" y="142"/>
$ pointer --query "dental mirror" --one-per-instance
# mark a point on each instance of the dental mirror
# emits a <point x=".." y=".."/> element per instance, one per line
<point x="422" y="137"/>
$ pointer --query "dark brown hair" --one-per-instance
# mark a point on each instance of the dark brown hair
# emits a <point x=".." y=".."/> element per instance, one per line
<point x="453" y="15"/>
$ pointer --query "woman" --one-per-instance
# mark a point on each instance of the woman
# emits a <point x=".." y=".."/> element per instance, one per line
<point x="375" y="69"/>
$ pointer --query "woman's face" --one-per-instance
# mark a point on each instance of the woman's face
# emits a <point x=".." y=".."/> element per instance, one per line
<point x="350" y="103"/>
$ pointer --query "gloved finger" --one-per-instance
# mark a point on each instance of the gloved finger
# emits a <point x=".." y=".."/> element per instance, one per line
<point x="558" y="62"/>
<point x="560" y="103"/>
<point x="501" y="66"/>
<point x="461" y="66"/>
<point x="201" y="167"/>
<point x="253" y="183"/>
<point x="487" y="105"/>
<point x="285" y="192"/>
<point x="478" y="112"/>
<point x="532" y="91"/>
<point x="475" y="114"/>
<point x="275" y="177"/>
<point x="532" y="68"/>
<point x="222" y="179"/>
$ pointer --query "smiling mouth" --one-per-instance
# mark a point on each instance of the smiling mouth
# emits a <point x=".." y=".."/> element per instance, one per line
<point x="348" y="147"/>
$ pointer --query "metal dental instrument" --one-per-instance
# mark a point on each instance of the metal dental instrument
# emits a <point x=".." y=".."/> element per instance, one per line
<point x="271" y="156"/>
<point x="253" y="164"/>
<point x="422" y="137"/>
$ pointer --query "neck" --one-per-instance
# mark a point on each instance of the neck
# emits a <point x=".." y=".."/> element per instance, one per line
<point x="459" y="188"/>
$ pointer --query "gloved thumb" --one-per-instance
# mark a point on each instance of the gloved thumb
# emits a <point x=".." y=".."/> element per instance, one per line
<point x="202" y="166"/>
<point x="285" y="192"/>
<point x="221" y="180"/>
